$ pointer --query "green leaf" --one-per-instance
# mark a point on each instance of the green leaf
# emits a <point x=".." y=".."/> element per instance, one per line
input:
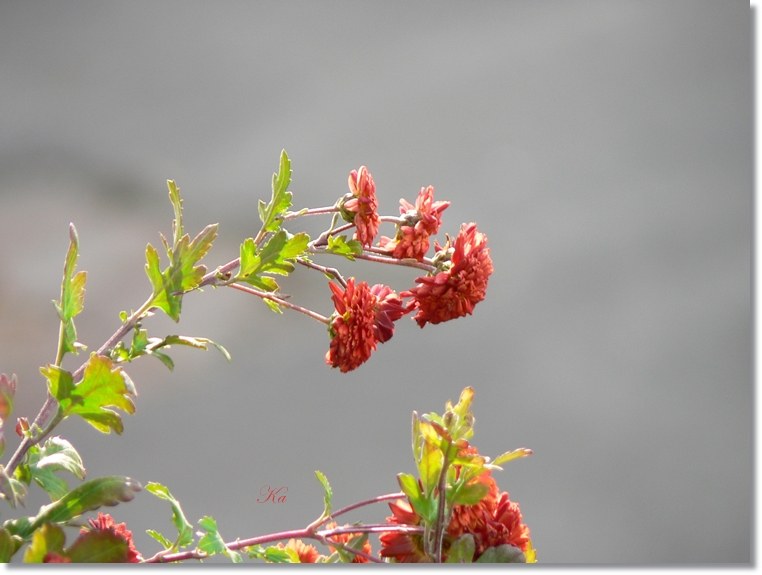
<point x="508" y="456"/>
<point x="327" y="493"/>
<point x="469" y="494"/>
<point x="184" y="528"/>
<point x="56" y="454"/>
<point x="11" y="489"/>
<point x="273" y="305"/>
<point x="72" y="295"/>
<point x="502" y="554"/>
<point x="462" y="550"/>
<point x="272" y="213"/>
<point x="212" y="543"/>
<point x="276" y="256"/>
<point x="47" y="538"/>
<point x="91" y="495"/>
<point x="160" y="538"/>
<point x="423" y="506"/>
<point x="103" y="385"/>
<point x="273" y="554"/>
<point x="341" y="246"/>
<point x="197" y="342"/>
<point x="60" y="384"/>
<point x="183" y="274"/>
<point x="430" y="467"/>
<point x="7" y="546"/>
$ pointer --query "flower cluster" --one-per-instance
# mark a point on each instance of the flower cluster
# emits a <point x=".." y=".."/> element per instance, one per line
<point x="494" y="521"/>
<point x="364" y="316"/>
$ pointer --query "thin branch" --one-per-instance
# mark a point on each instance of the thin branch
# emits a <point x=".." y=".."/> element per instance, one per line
<point x="279" y="301"/>
<point x="328" y="271"/>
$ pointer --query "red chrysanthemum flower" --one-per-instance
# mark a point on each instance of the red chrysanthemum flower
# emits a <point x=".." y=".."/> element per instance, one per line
<point x="353" y="326"/>
<point x="361" y="207"/>
<point x="403" y="547"/>
<point x="364" y="316"/>
<point x="307" y="553"/>
<point x="346" y="538"/>
<point x="421" y="221"/>
<point x="105" y="522"/>
<point x="454" y="292"/>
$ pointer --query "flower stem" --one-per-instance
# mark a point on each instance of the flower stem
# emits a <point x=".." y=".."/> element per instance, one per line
<point x="279" y="301"/>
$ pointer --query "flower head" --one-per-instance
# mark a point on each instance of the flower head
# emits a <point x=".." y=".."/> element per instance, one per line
<point x="105" y="522"/>
<point x="346" y="538"/>
<point x="307" y="553"/>
<point x="53" y="557"/>
<point x="453" y="292"/>
<point x="364" y="316"/>
<point x="420" y="221"/>
<point x="403" y="547"/>
<point x="360" y="206"/>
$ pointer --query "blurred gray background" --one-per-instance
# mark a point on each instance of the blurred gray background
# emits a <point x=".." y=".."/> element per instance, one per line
<point x="605" y="148"/>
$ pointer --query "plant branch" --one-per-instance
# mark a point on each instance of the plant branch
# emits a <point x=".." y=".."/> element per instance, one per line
<point x="279" y="301"/>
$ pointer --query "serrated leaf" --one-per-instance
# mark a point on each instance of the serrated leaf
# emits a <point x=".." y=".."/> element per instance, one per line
<point x="72" y="295"/>
<point x="462" y="549"/>
<point x="160" y="538"/>
<point x="212" y="543"/>
<point x="48" y="538"/>
<point x="341" y="246"/>
<point x="99" y="546"/>
<point x="273" y="554"/>
<point x="91" y="495"/>
<point x="103" y="386"/>
<point x="502" y="554"/>
<point x="327" y="493"/>
<point x="272" y="213"/>
<point x="275" y="257"/>
<point x="184" y="528"/>
<point x="164" y="297"/>
<point x="7" y="546"/>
